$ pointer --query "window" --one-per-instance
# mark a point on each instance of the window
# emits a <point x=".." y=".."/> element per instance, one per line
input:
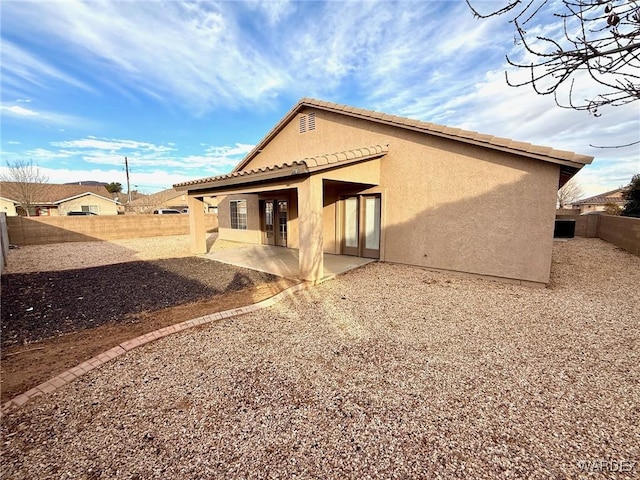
<point x="238" y="214"/>
<point x="90" y="208"/>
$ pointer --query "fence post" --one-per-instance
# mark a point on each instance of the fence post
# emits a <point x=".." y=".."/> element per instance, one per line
<point x="4" y="240"/>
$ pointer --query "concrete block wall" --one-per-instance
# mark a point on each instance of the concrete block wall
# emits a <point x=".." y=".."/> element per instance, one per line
<point x="586" y="225"/>
<point x="46" y="230"/>
<point x="623" y="232"/>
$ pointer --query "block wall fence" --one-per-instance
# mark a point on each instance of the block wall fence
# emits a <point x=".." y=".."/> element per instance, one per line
<point x="46" y="230"/>
<point x="624" y="232"/>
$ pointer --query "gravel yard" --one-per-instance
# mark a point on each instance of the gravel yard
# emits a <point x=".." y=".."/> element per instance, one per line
<point x="66" y="256"/>
<point x="65" y="303"/>
<point x="388" y="371"/>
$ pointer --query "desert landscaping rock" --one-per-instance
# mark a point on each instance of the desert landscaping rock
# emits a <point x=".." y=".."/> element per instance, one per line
<point x="68" y="256"/>
<point x="388" y="371"/>
<point x="41" y="305"/>
<point x="63" y="304"/>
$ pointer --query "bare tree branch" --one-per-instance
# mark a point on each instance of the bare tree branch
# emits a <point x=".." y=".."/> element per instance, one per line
<point x="569" y="193"/>
<point x="599" y="38"/>
<point x="25" y="183"/>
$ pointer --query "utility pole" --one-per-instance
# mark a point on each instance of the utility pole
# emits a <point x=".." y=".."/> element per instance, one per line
<point x="126" y="167"/>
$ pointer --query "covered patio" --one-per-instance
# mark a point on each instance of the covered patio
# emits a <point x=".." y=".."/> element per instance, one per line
<point x="282" y="261"/>
<point x="308" y="219"/>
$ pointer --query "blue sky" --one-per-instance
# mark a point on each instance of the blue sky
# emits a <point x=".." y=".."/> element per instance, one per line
<point x="185" y="89"/>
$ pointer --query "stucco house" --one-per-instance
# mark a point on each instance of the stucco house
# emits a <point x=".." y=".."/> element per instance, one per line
<point x="8" y="206"/>
<point x="331" y="178"/>
<point x="170" y="198"/>
<point x="598" y="203"/>
<point x="50" y="199"/>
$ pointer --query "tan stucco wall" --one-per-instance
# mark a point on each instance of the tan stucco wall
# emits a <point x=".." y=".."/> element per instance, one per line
<point x="446" y="205"/>
<point x="105" y="206"/>
<point x="471" y="211"/>
<point x="8" y="207"/>
<point x="252" y="234"/>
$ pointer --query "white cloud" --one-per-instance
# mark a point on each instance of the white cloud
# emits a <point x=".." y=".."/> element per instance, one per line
<point x="144" y="158"/>
<point x="274" y="11"/>
<point x="20" y="66"/>
<point x="44" y="154"/>
<point x="228" y="151"/>
<point x="111" y="144"/>
<point x="187" y="53"/>
<point x="18" y="111"/>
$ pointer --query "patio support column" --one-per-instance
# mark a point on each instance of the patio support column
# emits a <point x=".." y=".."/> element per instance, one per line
<point x="311" y="263"/>
<point x="196" y="225"/>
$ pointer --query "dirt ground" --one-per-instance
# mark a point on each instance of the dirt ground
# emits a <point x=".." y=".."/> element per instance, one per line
<point x="55" y="319"/>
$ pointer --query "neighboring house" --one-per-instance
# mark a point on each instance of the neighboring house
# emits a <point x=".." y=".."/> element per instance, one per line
<point x="164" y="199"/>
<point x="170" y="199"/>
<point x="397" y="189"/>
<point x="124" y="206"/>
<point x="598" y="203"/>
<point x="53" y="199"/>
<point x="8" y="206"/>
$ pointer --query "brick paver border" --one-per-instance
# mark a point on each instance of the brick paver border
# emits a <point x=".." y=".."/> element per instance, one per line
<point x="88" y="365"/>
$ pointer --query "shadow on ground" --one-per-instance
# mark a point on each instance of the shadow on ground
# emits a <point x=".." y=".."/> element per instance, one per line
<point x="37" y="306"/>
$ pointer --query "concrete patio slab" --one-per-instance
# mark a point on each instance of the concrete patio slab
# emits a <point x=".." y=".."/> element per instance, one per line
<point x="283" y="261"/>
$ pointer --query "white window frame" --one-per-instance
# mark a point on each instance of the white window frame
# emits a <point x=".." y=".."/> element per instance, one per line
<point x="237" y="217"/>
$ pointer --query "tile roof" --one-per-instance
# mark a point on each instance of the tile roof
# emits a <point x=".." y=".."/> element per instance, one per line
<point x="157" y="198"/>
<point x="50" y="193"/>
<point x="295" y="167"/>
<point x="539" y="152"/>
<point x="614" y="196"/>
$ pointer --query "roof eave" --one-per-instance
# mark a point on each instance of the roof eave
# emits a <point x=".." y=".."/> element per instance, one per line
<point x="82" y="195"/>
<point x="444" y="134"/>
<point x="284" y="172"/>
<point x="418" y="126"/>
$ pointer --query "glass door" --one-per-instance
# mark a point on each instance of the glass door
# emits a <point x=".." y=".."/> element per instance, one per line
<point x="274" y="215"/>
<point x="351" y="230"/>
<point x="361" y="226"/>
<point x="281" y="239"/>
<point x="266" y="209"/>
<point x="371" y="226"/>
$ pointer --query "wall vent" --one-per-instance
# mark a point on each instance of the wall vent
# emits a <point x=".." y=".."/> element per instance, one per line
<point x="303" y="124"/>
<point x="312" y="121"/>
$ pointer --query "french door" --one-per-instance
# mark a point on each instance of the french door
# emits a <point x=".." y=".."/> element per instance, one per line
<point x="274" y="215"/>
<point x="361" y="226"/>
